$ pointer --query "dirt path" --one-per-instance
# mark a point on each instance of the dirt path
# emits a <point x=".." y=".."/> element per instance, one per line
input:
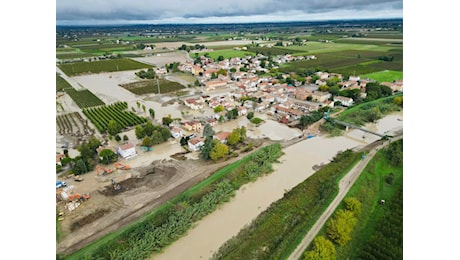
<point x="344" y="186"/>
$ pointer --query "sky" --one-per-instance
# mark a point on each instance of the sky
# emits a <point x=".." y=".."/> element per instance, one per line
<point x="101" y="12"/>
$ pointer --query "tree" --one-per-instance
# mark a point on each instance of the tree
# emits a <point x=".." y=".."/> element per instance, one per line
<point x="152" y="112"/>
<point x="108" y="156"/>
<point x="218" y="109"/>
<point x="81" y="166"/>
<point x="147" y="142"/>
<point x="218" y="151"/>
<point x="157" y="138"/>
<point x="243" y="134"/>
<point x="138" y="104"/>
<point x="125" y="138"/>
<point x="167" y="120"/>
<point x="353" y="205"/>
<point x="85" y="151"/>
<point x="233" y="137"/>
<point x="250" y="115"/>
<point x="324" y="88"/>
<point x="139" y="131"/>
<point x="322" y="248"/>
<point x="222" y="72"/>
<point x="339" y="228"/>
<point x="148" y="128"/>
<point x="233" y="70"/>
<point x="206" y="148"/>
<point x="334" y="90"/>
<point x="93" y="144"/>
<point x="113" y="128"/>
<point x="397" y="100"/>
<point x="117" y="138"/>
<point x="66" y="152"/>
<point x="220" y="58"/>
<point x="143" y="107"/>
<point x="208" y="131"/>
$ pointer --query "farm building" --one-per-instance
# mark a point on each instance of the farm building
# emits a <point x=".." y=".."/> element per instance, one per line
<point x="127" y="150"/>
<point x="345" y="101"/>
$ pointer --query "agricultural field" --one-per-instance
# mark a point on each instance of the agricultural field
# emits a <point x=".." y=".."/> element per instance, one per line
<point x="101" y="116"/>
<point x="384" y="76"/>
<point x="84" y="98"/>
<point x="73" y="124"/>
<point x="230" y="53"/>
<point x="61" y="83"/>
<point x="150" y="86"/>
<point x="73" y="55"/>
<point x="77" y="68"/>
<point x="350" y="62"/>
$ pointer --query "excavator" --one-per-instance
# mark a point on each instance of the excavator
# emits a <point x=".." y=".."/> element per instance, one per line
<point x="102" y="171"/>
<point x="120" y="166"/>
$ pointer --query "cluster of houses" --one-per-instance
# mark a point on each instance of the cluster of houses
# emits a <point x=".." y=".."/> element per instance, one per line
<point x="247" y="91"/>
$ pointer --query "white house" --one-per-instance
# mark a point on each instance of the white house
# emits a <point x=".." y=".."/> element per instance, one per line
<point x="221" y="136"/>
<point x="176" y="132"/>
<point x="127" y="150"/>
<point x="346" y="101"/>
<point x="195" y="143"/>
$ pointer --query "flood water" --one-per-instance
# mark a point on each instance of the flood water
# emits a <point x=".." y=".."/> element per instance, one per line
<point x="296" y="165"/>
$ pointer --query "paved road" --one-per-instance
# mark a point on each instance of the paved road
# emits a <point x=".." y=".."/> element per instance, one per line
<point x="344" y="186"/>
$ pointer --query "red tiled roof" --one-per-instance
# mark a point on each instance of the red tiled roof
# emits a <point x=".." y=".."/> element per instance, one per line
<point x="126" y="146"/>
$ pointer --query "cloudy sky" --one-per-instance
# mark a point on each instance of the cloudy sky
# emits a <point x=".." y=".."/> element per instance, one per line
<point x="90" y="12"/>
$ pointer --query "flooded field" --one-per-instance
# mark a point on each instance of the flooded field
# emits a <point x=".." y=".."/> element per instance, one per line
<point x="213" y="230"/>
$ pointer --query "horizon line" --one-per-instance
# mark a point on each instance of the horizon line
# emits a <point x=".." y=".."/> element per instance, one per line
<point x="225" y="23"/>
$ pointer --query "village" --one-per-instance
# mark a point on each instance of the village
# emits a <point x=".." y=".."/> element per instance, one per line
<point x="229" y="95"/>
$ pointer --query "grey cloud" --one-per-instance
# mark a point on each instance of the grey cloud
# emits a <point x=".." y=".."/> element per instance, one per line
<point x="139" y="10"/>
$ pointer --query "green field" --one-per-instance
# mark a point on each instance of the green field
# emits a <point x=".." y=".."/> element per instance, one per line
<point x="350" y="62"/>
<point x="102" y="115"/>
<point x="227" y="54"/>
<point x="73" y="69"/>
<point x="150" y="86"/>
<point x="84" y="98"/>
<point x="384" y="76"/>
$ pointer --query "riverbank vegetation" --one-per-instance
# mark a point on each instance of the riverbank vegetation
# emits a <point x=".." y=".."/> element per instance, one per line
<point x="276" y="231"/>
<point x="377" y="231"/>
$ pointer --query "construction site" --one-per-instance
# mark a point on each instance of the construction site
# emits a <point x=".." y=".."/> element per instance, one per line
<point x="115" y="195"/>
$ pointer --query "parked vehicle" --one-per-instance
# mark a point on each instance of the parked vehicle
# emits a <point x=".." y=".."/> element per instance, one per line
<point x="60" y="184"/>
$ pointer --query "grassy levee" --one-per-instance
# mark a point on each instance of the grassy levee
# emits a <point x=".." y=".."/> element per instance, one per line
<point x="276" y="232"/>
<point x="170" y="221"/>
<point x="77" y="68"/>
<point x="359" y="114"/>
<point x="372" y="186"/>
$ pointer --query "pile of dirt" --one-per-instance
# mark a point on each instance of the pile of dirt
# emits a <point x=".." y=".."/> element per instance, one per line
<point x="88" y="219"/>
